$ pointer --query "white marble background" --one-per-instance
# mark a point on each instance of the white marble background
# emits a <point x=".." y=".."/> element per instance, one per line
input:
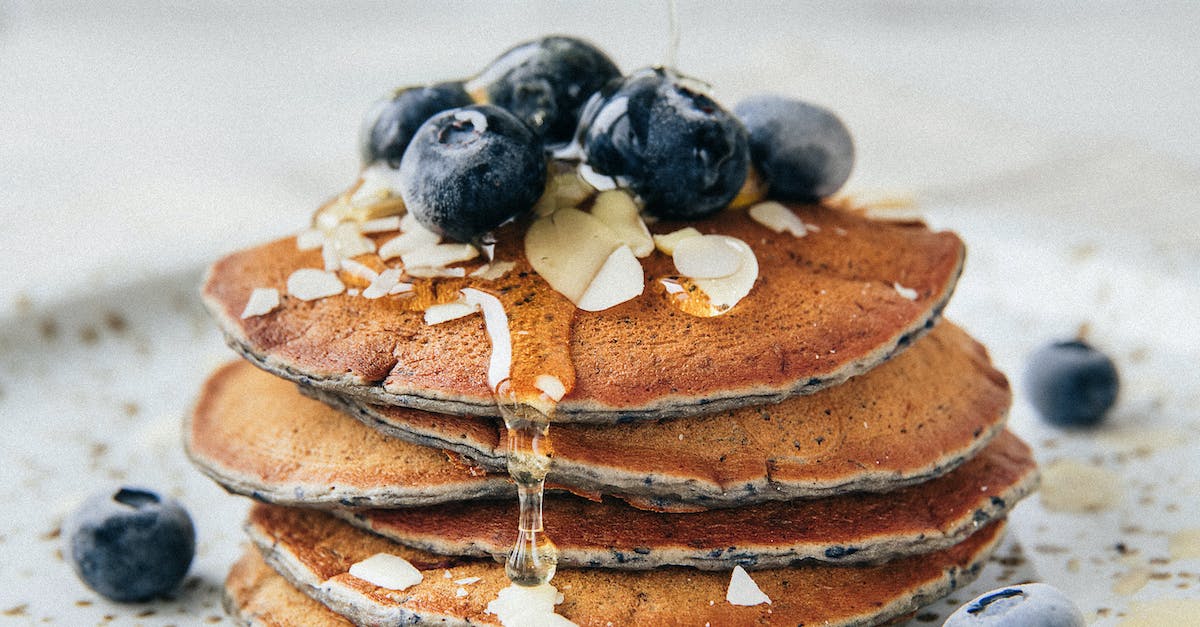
<point x="140" y="140"/>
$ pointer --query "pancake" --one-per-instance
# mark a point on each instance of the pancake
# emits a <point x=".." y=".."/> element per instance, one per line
<point x="825" y="307"/>
<point x="256" y="596"/>
<point x="914" y="418"/>
<point x="314" y="551"/>
<point x="909" y="420"/>
<point x="854" y="528"/>
<point x="252" y="433"/>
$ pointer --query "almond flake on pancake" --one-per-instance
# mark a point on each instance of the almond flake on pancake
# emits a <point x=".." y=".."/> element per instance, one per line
<point x="778" y="218"/>
<point x="381" y="225"/>
<point x="311" y="239"/>
<point x="348" y="240"/>
<point x="905" y="292"/>
<point x="383" y="283"/>
<point x="407" y="241"/>
<point x="706" y="257"/>
<point x="743" y="590"/>
<point x="263" y="300"/>
<point x="494" y="270"/>
<point x="330" y="257"/>
<point x="495" y="321"/>
<point x="438" y="255"/>
<point x="551" y="386"/>
<point x="311" y="284"/>
<point x="666" y="243"/>
<point x="445" y="312"/>
<point x="433" y="273"/>
<point x="359" y="270"/>
<point x="518" y="606"/>
<point x="466" y="581"/>
<point x="387" y="571"/>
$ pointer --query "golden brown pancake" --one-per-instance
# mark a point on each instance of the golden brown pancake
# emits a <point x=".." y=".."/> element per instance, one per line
<point x="825" y="308"/>
<point x="913" y="418"/>
<point x="853" y="528"/>
<point x="314" y="551"/>
<point x="255" y="435"/>
<point x="257" y="596"/>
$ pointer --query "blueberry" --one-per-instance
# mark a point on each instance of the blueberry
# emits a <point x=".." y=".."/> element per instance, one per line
<point x="1070" y="383"/>
<point x="802" y="151"/>
<point x="470" y="169"/>
<point x="130" y="544"/>
<point x="1026" y="605"/>
<point x="546" y="82"/>
<point x="391" y="122"/>
<point x="675" y="147"/>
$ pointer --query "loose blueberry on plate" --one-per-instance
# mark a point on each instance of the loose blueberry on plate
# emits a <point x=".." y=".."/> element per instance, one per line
<point x="546" y="82"/>
<point x="674" y="146"/>
<point x="1026" y="605"/>
<point x="130" y="544"/>
<point x="1070" y="383"/>
<point x="391" y="122"/>
<point x="470" y="169"/>
<point x="803" y="151"/>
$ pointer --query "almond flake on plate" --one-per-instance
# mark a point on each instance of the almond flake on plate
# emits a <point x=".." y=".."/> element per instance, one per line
<point x="311" y="284"/>
<point x="778" y="218"/>
<point x="387" y="571"/>
<point x="743" y="591"/>
<point x="263" y="300"/>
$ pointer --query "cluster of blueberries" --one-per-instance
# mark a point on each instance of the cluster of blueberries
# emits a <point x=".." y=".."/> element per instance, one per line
<point x="466" y="168"/>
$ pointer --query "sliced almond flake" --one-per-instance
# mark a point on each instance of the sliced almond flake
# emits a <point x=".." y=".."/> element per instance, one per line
<point x="495" y="321"/>
<point x="407" y="242"/>
<point x="409" y="224"/>
<point x="387" y="571"/>
<point x="263" y="300"/>
<point x="778" y="218"/>
<point x="551" y="386"/>
<point x="359" y="270"/>
<point x="905" y="292"/>
<point x="381" y="225"/>
<point x="311" y="284"/>
<point x="706" y="257"/>
<point x="461" y="592"/>
<point x="311" y="239"/>
<point x="349" y="240"/>
<point x="812" y="228"/>
<point x="601" y="182"/>
<point x="466" y="581"/>
<point x="494" y="270"/>
<point x="330" y="256"/>
<point x="618" y="211"/>
<point x="620" y="279"/>
<point x="743" y="591"/>
<point x="401" y="288"/>
<point x="666" y="243"/>
<point x="439" y="255"/>
<point x="519" y="606"/>
<point x="437" y="314"/>
<point x="434" y="273"/>
<point x="725" y="292"/>
<point x="383" y="283"/>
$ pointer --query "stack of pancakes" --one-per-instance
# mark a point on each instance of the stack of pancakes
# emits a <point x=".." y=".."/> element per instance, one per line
<point x="828" y="434"/>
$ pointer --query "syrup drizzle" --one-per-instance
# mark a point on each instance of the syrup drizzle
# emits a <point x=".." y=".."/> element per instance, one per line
<point x="534" y="558"/>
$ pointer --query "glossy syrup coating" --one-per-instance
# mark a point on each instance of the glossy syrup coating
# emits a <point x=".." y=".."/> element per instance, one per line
<point x="391" y="123"/>
<point x="546" y="82"/>
<point x="674" y="146"/>
<point x="803" y="151"/>
<point x="470" y="169"/>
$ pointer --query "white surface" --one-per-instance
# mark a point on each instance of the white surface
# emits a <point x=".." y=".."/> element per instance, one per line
<point x="138" y="142"/>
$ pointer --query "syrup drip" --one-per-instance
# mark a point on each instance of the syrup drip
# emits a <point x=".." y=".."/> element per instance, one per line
<point x="534" y="557"/>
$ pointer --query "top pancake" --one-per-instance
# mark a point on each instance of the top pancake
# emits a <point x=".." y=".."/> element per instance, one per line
<point x="825" y="307"/>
